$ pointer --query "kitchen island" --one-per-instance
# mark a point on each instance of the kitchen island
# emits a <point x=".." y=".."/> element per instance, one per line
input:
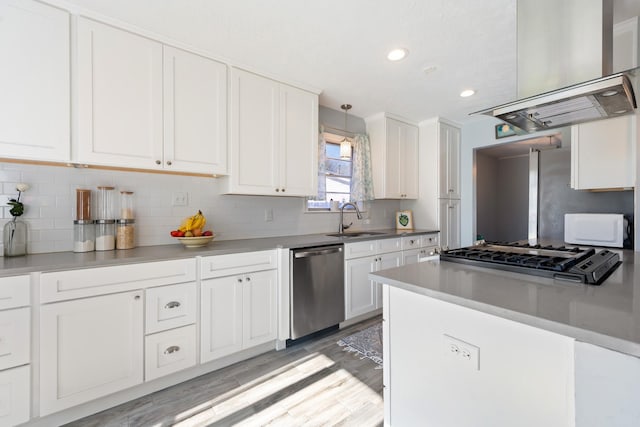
<point x="469" y="345"/>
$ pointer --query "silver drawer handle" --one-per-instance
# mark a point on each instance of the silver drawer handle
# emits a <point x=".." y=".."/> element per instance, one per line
<point x="172" y="304"/>
<point x="172" y="349"/>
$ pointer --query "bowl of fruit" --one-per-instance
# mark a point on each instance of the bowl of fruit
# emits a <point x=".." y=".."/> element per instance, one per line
<point x="191" y="232"/>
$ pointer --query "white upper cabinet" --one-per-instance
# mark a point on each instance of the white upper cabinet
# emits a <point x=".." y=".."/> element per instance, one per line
<point x="34" y="81"/>
<point x="195" y="113"/>
<point x="119" y="98"/>
<point x="394" y="157"/>
<point x="148" y="106"/>
<point x="449" y="137"/>
<point x="274" y="134"/>
<point x="603" y="154"/>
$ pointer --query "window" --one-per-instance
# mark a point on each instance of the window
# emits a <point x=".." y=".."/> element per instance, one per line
<point x="337" y="178"/>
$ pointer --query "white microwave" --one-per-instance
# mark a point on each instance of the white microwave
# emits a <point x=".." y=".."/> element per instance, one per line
<point x="595" y="229"/>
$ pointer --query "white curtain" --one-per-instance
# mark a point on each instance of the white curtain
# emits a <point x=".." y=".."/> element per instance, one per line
<point x="361" y="177"/>
<point x="322" y="166"/>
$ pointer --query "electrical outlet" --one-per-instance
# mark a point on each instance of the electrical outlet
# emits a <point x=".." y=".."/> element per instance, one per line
<point x="467" y="354"/>
<point x="268" y="214"/>
<point x="180" y="198"/>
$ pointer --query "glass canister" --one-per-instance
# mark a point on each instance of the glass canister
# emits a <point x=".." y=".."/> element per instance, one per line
<point x="84" y="236"/>
<point x="125" y="234"/>
<point x="83" y="204"/>
<point x="126" y="205"/>
<point x="105" y="203"/>
<point x="105" y="234"/>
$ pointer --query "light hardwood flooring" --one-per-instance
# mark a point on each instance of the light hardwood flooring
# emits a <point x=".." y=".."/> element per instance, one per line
<point x="315" y="383"/>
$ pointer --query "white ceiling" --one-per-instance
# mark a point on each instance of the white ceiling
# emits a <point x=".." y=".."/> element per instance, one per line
<point x="340" y="46"/>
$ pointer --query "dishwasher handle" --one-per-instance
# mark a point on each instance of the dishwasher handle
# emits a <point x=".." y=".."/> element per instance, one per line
<point x="320" y="251"/>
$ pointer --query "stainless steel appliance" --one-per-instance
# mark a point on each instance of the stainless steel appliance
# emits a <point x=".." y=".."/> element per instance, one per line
<point x="581" y="265"/>
<point x="317" y="289"/>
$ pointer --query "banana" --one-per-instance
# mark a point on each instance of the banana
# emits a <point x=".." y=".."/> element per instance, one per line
<point x="195" y="221"/>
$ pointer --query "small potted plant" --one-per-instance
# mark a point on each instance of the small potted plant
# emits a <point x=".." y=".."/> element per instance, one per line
<point x="15" y="231"/>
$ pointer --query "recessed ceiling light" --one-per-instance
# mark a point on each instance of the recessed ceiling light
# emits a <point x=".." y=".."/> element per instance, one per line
<point x="619" y="111"/>
<point x="397" y="54"/>
<point x="467" y="92"/>
<point x="609" y="93"/>
<point x="511" y="116"/>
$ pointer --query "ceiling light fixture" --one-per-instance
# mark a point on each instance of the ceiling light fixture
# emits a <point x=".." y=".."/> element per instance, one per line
<point x="345" y="145"/>
<point x="397" y="54"/>
<point x="467" y="92"/>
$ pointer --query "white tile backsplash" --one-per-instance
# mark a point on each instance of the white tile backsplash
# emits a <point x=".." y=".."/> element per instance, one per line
<point x="50" y="206"/>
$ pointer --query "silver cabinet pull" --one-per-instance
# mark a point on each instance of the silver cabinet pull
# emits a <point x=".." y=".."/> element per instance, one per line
<point x="239" y="280"/>
<point x="169" y="162"/>
<point x="172" y="349"/>
<point x="172" y="304"/>
<point x="248" y="279"/>
<point x="277" y="190"/>
<point x="283" y="190"/>
<point x="158" y="162"/>
<point x="137" y="297"/>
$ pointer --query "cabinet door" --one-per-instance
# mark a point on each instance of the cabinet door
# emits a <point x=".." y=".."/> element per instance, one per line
<point x="408" y="158"/>
<point x="89" y="348"/>
<point x="393" y="172"/>
<point x="254" y="134"/>
<point x="603" y="153"/>
<point x="15" y="337"/>
<point x="449" y="162"/>
<point x="34" y="81"/>
<point x="411" y="256"/>
<point x="119" y="97"/>
<point x="195" y="113"/>
<point x="360" y="293"/>
<point x="259" y="308"/>
<point x="385" y="261"/>
<point x="298" y="149"/>
<point x="15" y="396"/>
<point x="449" y="223"/>
<point x="221" y="317"/>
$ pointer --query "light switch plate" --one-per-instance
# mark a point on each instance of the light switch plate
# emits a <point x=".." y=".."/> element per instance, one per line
<point x="180" y="198"/>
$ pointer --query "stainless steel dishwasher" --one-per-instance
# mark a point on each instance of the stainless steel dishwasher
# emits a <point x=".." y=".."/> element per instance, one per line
<point x="317" y="289"/>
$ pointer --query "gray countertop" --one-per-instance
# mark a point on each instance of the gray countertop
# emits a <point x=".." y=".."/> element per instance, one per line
<point x="11" y="266"/>
<point x="607" y="315"/>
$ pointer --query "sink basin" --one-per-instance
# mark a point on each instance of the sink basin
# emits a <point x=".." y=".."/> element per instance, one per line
<point x="355" y="234"/>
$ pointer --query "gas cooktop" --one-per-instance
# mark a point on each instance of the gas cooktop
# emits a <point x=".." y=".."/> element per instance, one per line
<point x="581" y="265"/>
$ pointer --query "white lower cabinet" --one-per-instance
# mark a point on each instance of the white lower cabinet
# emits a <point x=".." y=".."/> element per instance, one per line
<point x="15" y="350"/>
<point x="14" y="396"/>
<point x="363" y="295"/>
<point x="237" y="311"/>
<point x="89" y="348"/>
<point x="169" y="351"/>
<point x="360" y="294"/>
<point x="221" y="318"/>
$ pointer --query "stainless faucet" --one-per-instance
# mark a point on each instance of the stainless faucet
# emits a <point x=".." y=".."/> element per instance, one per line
<point x="341" y="226"/>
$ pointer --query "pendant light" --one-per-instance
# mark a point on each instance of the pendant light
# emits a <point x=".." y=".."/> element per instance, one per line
<point x="345" y="145"/>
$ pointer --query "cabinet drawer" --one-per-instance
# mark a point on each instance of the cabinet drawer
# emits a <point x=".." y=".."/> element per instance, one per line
<point x="169" y="351"/>
<point x="63" y="285"/>
<point x="389" y="245"/>
<point x="227" y="265"/>
<point x="411" y="242"/>
<point x="427" y="240"/>
<point x="170" y="307"/>
<point x="15" y="333"/>
<point x="14" y="396"/>
<point x="14" y="292"/>
<point x="360" y="249"/>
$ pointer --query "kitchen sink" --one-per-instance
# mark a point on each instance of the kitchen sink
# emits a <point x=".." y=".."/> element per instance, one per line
<point x="355" y="234"/>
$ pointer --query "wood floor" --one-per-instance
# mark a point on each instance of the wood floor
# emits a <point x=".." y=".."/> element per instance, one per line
<point x="315" y="383"/>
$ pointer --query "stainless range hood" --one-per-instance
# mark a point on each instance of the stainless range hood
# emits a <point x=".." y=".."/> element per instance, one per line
<point x="597" y="99"/>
